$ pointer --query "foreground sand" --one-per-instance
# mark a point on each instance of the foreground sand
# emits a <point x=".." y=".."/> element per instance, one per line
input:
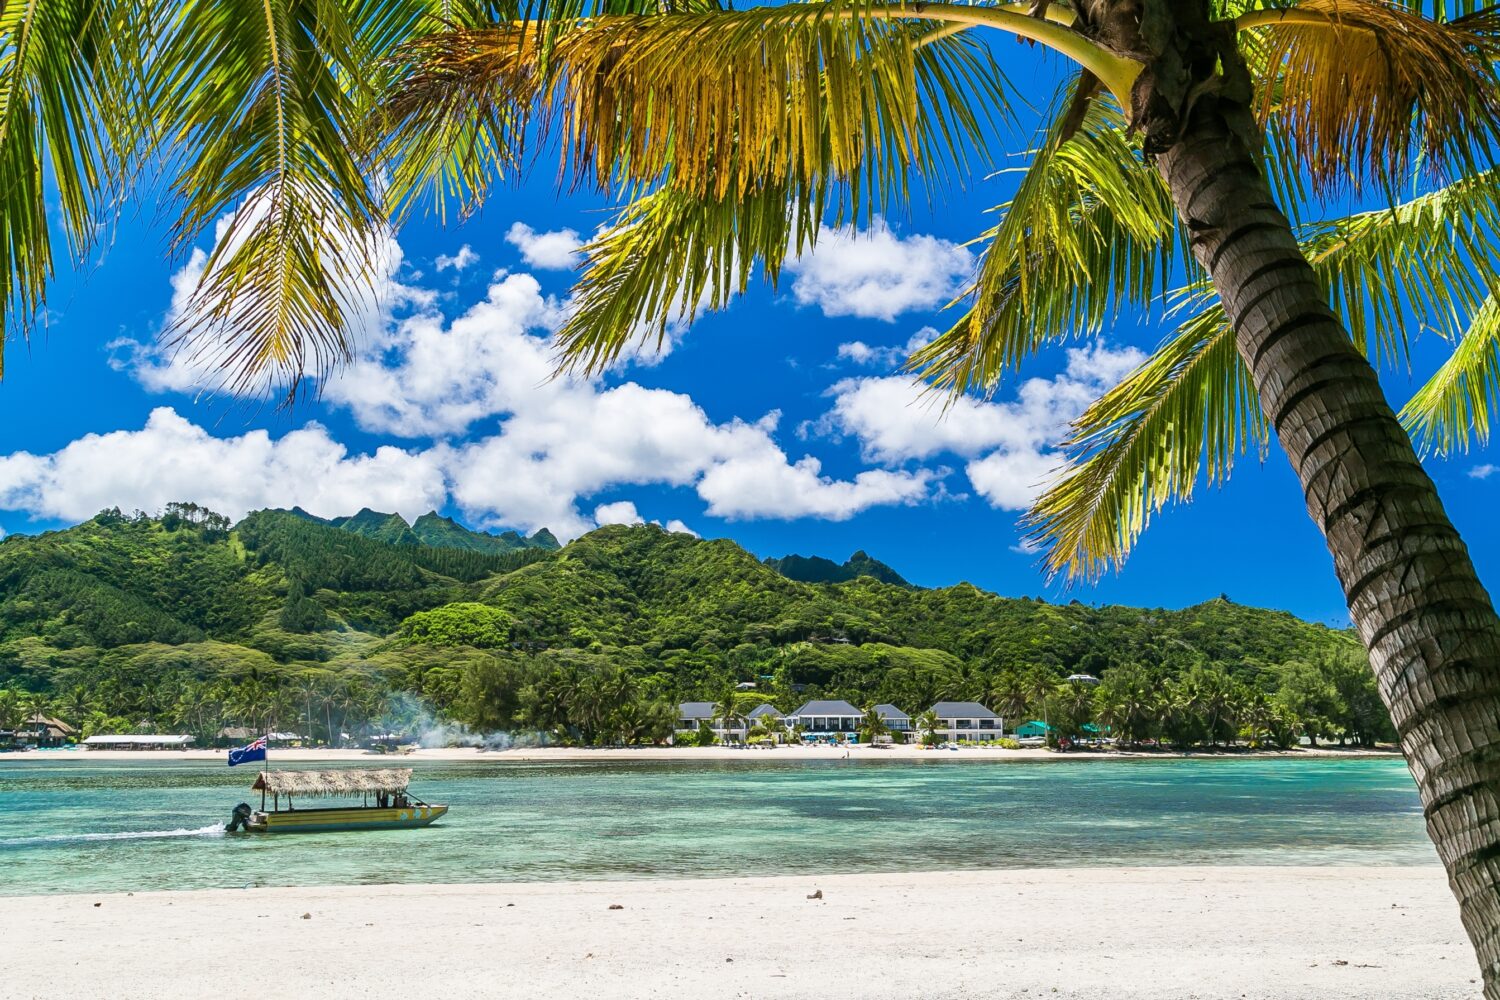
<point x="543" y="754"/>
<point x="1264" y="933"/>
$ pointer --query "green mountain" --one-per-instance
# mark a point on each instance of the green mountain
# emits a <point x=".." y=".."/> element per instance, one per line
<point x="816" y="569"/>
<point x="285" y="619"/>
<point x="390" y="528"/>
<point x="444" y="532"/>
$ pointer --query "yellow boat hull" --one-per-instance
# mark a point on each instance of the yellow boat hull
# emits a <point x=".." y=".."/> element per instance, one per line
<point x="355" y="818"/>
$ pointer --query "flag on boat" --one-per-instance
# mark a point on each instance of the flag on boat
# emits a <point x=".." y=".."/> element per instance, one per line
<point x="246" y="754"/>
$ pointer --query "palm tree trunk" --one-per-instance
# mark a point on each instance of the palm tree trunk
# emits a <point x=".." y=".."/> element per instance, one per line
<point x="1430" y="628"/>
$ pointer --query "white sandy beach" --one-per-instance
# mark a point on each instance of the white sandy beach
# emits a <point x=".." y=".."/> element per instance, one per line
<point x="784" y="753"/>
<point x="1157" y="933"/>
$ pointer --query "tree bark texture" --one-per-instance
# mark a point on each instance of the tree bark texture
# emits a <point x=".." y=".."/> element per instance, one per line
<point x="1413" y="594"/>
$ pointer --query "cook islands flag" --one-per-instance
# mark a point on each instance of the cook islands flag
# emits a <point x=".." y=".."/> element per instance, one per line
<point x="248" y="754"/>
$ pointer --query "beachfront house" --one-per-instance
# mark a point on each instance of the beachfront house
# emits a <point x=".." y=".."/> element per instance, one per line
<point x="1035" y="729"/>
<point x="150" y="741"/>
<point x="43" y="731"/>
<point x="895" y="720"/>
<point x="692" y="714"/>
<point x="967" y="722"/>
<point x="823" y="719"/>
<point x="766" y="715"/>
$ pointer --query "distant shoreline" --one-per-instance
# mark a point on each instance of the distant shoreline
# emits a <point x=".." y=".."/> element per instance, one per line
<point x="1273" y="933"/>
<point x="695" y="755"/>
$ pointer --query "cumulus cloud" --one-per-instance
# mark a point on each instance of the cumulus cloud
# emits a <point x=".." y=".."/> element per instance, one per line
<point x="620" y="512"/>
<point x="624" y="512"/>
<point x="860" y="353"/>
<point x="556" y="250"/>
<point x="876" y="274"/>
<point x="1483" y="471"/>
<point x="171" y="458"/>
<point x="1010" y="445"/>
<point x="458" y="261"/>
<point x="505" y="442"/>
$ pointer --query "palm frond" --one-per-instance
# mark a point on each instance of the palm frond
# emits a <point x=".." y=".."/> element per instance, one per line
<point x="1416" y="258"/>
<point x="70" y="134"/>
<point x="1132" y="448"/>
<point x="727" y="102"/>
<point x="670" y="254"/>
<point x="1089" y="230"/>
<point x="1363" y="89"/>
<point x="1186" y="413"/>
<point x="691" y="241"/>
<point x="1454" y="405"/>
<point x="262" y="103"/>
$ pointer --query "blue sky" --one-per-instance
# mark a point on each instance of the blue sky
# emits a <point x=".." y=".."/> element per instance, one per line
<point x="779" y="423"/>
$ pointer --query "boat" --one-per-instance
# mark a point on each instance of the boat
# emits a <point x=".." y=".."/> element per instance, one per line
<point x="385" y="802"/>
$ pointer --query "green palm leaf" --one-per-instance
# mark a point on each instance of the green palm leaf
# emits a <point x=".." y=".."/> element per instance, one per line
<point x="1090" y="229"/>
<point x="1148" y="441"/>
<point x="262" y="104"/>
<point x="69" y="134"/>
<point x="1454" y="405"/>
<point x="1184" y="414"/>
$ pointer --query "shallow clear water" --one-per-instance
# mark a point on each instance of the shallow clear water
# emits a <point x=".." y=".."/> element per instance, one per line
<point x="76" y="825"/>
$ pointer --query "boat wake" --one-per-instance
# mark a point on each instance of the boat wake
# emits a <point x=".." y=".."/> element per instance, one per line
<point x="213" y="830"/>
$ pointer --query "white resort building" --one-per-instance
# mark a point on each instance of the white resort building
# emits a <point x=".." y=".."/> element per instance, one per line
<point x="895" y="720"/>
<point x="967" y="721"/>
<point x="826" y="718"/>
<point x="692" y="714"/>
<point x="766" y="714"/>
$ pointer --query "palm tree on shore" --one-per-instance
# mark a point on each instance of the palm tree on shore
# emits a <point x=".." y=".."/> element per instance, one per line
<point x="734" y="134"/>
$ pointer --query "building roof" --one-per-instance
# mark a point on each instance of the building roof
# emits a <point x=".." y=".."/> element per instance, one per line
<point x="762" y="710"/>
<point x="697" y="710"/>
<point x="137" y="739"/>
<point x="890" y="712"/>
<point x="39" y="719"/>
<point x="349" y="781"/>
<point x="962" y="710"/>
<point x="826" y="707"/>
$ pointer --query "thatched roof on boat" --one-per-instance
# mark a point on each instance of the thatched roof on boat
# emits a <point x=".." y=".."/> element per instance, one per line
<point x="352" y="781"/>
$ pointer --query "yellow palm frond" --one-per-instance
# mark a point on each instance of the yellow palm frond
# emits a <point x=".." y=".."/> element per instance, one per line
<point x="1364" y="88"/>
<point x="728" y="103"/>
<point x="670" y="254"/>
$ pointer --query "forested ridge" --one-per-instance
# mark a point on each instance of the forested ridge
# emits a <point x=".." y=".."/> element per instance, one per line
<point x="183" y="622"/>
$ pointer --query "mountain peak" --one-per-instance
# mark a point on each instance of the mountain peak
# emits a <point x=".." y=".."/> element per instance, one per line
<point x="816" y="569"/>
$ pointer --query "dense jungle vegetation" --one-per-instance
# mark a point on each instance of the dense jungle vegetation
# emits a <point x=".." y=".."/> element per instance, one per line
<point x="184" y="622"/>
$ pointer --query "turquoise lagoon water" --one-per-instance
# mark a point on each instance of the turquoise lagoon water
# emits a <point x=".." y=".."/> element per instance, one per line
<point x="78" y="826"/>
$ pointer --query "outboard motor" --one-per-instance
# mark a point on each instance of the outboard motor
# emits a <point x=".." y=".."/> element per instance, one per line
<point x="240" y="818"/>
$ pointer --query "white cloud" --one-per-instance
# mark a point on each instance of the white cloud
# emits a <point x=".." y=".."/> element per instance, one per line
<point x="876" y="274"/>
<point x="171" y="458"/>
<point x="458" y="261"/>
<point x="556" y="250"/>
<point x="620" y="512"/>
<point x="1011" y="445"/>
<point x="765" y="484"/>
<point x="1483" y="471"/>
<point x="860" y="353"/>
<point x="507" y="443"/>
<point x="676" y="527"/>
